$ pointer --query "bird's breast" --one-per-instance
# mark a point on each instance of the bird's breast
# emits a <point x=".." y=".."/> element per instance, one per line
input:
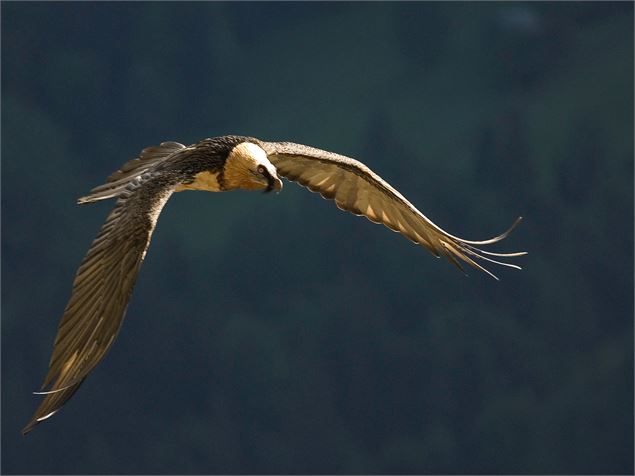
<point x="206" y="180"/>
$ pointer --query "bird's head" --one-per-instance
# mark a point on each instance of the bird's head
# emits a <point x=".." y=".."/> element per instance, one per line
<point x="248" y="167"/>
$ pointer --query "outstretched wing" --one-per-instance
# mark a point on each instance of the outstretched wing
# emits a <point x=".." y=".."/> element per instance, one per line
<point x="101" y="291"/>
<point x="357" y="189"/>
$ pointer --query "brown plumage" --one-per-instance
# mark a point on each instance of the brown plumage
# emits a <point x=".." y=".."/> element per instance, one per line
<point x="105" y="278"/>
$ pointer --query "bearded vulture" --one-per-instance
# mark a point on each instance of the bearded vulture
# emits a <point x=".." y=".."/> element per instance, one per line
<point x="104" y="281"/>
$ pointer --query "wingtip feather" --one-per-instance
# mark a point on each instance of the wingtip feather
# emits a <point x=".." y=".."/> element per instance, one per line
<point x="495" y="239"/>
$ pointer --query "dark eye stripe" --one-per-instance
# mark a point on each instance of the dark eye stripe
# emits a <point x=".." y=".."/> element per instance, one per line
<point x="263" y="170"/>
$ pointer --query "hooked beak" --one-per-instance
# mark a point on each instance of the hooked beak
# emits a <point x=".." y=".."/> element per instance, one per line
<point x="273" y="183"/>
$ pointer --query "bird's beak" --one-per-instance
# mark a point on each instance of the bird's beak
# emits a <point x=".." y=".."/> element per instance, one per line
<point x="273" y="183"/>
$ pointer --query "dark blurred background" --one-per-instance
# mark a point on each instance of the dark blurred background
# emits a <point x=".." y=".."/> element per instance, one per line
<point x="276" y="334"/>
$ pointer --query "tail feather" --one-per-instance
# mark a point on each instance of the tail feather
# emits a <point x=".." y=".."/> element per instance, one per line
<point x="119" y="180"/>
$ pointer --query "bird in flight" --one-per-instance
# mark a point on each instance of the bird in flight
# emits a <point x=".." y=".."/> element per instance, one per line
<point x="106" y="276"/>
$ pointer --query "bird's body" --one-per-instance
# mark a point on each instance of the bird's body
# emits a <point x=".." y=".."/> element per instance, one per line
<point x="106" y="276"/>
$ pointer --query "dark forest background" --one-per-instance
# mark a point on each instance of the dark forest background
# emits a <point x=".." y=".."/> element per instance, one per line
<point x="276" y="334"/>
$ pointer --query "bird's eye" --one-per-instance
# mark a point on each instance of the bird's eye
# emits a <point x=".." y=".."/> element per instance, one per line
<point x="261" y="169"/>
